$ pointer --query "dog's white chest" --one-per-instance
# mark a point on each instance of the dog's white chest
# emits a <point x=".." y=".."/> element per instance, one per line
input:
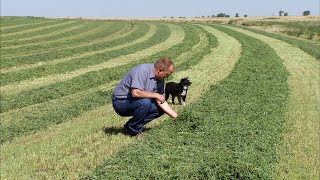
<point x="184" y="92"/>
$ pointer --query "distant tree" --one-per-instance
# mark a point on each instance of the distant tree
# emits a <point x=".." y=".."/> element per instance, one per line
<point x="281" y="12"/>
<point x="221" y="15"/>
<point x="237" y="15"/>
<point x="213" y="16"/>
<point x="245" y="15"/>
<point x="306" y="13"/>
<point x="202" y="16"/>
<point x="285" y="14"/>
<point x="227" y="15"/>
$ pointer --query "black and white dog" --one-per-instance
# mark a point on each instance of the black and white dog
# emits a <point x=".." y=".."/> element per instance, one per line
<point x="178" y="89"/>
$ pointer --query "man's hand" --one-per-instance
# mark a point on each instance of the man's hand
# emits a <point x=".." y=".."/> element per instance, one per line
<point x="161" y="98"/>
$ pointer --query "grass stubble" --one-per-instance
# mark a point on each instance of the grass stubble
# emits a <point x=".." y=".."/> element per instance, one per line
<point x="299" y="153"/>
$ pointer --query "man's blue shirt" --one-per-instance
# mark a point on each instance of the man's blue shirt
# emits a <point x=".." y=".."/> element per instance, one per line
<point x="139" y="77"/>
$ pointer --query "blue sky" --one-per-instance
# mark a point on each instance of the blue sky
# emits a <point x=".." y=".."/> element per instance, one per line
<point x="155" y="8"/>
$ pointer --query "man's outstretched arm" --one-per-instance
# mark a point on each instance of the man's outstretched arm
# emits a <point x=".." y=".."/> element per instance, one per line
<point x="167" y="109"/>
<point x="159" y="98"/>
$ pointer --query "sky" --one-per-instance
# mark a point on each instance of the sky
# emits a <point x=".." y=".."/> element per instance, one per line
<point x="155" y="8"/>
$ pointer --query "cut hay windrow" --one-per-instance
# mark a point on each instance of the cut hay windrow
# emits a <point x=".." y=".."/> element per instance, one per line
<point x="176" y="37"/>
<point x="111" y="32"/>
<point x="8" y="23"/>
<point x="22" y="115"/>
<point x="37" y="117"/>
<point x="46" y="43"/>
<point x="22" y="24"/>
<point x="150" y="33"/>
<point x="88" y="80"/>
<point x="44" y="38"/>
<point x="299" y="157"/>
<point x="310" y="47"/>
<point x="72" y="25"/>
<point x="46" y="70"/>
<point x="65" y="150"/>
<point x="36" y="29"/>
<point x="197" y="48"/>
<point x="87" y="30"/>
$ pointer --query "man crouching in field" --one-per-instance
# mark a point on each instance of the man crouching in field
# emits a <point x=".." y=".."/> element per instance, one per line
<point x="140" y="94"/>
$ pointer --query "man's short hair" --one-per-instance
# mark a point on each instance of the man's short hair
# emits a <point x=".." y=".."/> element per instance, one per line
<point x="164" y="63"/>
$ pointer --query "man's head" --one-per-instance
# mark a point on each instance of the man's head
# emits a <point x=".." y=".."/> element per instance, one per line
<point x="164" y="67"/>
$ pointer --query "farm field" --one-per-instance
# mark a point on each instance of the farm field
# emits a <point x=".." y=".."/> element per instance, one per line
<point x="252" y="111"/>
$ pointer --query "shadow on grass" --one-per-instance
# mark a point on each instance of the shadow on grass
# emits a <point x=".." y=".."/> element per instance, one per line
<point x="119" y="130"/>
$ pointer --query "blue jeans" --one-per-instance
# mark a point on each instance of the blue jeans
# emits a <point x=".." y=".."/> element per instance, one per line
<point x="142" y="110"/>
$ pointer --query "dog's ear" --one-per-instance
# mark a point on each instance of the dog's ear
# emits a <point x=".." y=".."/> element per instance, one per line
<point x="189" y="80"/>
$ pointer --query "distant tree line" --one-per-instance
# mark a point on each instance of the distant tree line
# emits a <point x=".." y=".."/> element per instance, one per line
<point x="281" y="13"/>
<point x="220" y="15"/>
<point x="304" y="13"/>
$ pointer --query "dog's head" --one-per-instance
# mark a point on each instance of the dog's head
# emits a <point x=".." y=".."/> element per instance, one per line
<point x="185" y="83"/>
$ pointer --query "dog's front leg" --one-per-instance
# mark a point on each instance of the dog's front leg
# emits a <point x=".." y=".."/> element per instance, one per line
<point x="179" y="99"/>
<point x="173" y="99"/>
<point x="167" y="96"/>
<point x="184" y="100"/>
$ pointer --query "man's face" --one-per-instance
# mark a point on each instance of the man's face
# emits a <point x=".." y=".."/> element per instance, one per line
<point x="162" y="74"/>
